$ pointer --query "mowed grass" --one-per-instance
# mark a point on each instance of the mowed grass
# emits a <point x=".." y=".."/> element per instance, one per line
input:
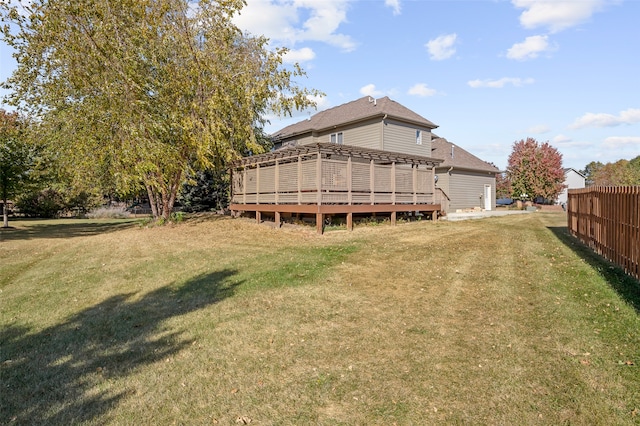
<point x="219" y="321"/>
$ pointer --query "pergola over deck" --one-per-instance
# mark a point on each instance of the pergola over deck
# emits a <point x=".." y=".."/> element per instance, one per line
<point x="328" y="179"/>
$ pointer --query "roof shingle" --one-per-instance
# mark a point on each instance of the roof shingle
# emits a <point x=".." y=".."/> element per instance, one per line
<point x="354" y="111"/>
<point x="457" y="157"/>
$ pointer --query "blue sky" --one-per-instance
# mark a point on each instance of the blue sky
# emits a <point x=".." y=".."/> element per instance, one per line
<point x="487" y="72"/>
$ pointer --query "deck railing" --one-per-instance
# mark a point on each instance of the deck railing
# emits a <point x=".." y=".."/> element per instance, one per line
<point x="329" y="181"/>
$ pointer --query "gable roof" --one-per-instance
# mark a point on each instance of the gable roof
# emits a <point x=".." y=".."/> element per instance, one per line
<point x="568" y="169"/>
<point x="351" y="112"/>
<point x="458" y="158"/>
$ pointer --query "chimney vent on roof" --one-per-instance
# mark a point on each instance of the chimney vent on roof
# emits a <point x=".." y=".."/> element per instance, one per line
<point x="375" y="102"/>
<point x="452" y="151"/>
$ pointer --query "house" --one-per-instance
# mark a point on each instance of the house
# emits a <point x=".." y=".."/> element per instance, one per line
<point x="466" y="182"/>
<point x="381" y="124"/>
<point x="573" y="179"/>
<point x="368" y="156"/>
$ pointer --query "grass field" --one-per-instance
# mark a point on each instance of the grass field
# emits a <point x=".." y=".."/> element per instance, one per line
<point x="219" y="321"/>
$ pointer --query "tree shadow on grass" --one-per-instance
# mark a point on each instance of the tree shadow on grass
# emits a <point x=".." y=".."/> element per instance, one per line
<point x="59" y="229"/>
<point x="61" y="375"/>
<point x="625" y="285"/>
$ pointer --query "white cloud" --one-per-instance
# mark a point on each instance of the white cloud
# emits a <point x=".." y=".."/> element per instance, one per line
<point x="556" y="15"/>
<point x="539" y="129"/>
<point x="562" y="139"/>
<point x="421" y="89"/>
<point x="370" y="90"/>
<point x="282" y="22"/>
<point x="629" y="116"/>
<point x="300" y="55"/>
<point x="498" y="84"/>
<point x="394" y="4"/>
<point x="276" y="122"/>
<point x="322" y="102"/>
<point x="567" y="142"/>
<point x="442" y="47"/>
<point x="530" y="48"/>
<point x="622" y="141"/>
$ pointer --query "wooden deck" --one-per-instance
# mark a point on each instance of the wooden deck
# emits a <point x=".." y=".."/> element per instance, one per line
<point x="330" y="179"/>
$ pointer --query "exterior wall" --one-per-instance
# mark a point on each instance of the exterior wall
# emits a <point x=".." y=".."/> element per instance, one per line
<point x="443" y="181"/>
<point x="465" y="189"/>
<point x="389" y="135"/>
<point x="363" y="135"/>
<point x="306" y="140"/>
<point x="401" y="137"/>
<point x="573" y="180"/>
<point x="443" y="194"/>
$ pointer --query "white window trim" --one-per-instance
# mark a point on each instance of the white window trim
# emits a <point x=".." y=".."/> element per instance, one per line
<point x="338" y="137"/>
<point x="418" y="137"/>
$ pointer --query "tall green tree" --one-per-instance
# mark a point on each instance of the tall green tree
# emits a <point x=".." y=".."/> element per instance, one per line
<point x="16" y="159"/>
<point x="621" y="173"/>
<point x="148" y="90"/>
<point x="590" y="171"/>
<point x="535" y="169"/>
<point x="634" y="165"/>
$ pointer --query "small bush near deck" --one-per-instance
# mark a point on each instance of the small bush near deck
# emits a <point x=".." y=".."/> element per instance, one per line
<point x="109" y="213"/>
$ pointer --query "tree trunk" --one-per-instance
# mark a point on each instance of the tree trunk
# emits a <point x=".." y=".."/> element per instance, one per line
<point x="152" y="201"/>
<point x="5" y="212"/>
<point x="173" y="192"/>
<point x="163" y="200"/>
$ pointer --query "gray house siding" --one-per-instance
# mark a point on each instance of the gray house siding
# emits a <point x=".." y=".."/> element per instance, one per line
<point x="307" y="139"/>
<point x="387" y="135"/>
<point x="466" y="189"/>
<point x="401" y="137"/>
<point x="443" y="187"/>
<point x="364" y="134"/>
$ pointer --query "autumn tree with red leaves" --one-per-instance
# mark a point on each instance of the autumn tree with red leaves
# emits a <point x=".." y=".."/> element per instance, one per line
<point x="535" y="169"/>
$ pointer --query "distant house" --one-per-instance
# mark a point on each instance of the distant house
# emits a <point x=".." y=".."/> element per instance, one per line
<point x="368" y="156"/>
<point x="465" y="181"/>
<point x="573" y="179"/>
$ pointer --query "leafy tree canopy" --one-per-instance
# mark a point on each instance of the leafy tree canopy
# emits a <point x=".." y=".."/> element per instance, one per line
<point x="503" y="186"/>
<point x="145" y="91"/>
<point x="590" y="171"/>
<point x="16" y="159"/>
<point x="535" y="169"/>
<point x="621" y="173"/>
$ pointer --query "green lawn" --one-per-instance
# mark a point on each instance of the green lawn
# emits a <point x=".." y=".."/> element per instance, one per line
<point x="219" y="321"/>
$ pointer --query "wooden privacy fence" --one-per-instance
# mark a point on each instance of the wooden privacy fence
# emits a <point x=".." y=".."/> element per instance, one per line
<point x="607" y="219"/>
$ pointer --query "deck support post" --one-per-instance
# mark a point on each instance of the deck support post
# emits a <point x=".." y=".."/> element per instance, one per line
<point x="319" y="177"/>
<point x="350" y="221"/>
<point x="258" y="216"/>
<point x="320" y="223"/>
<point x="393" y="218"/>
<point x="277" y="220"/>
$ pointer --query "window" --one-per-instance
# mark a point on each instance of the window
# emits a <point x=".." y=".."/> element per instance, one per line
<point x="336" y="138"/>
<point x="418" y="137"/>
